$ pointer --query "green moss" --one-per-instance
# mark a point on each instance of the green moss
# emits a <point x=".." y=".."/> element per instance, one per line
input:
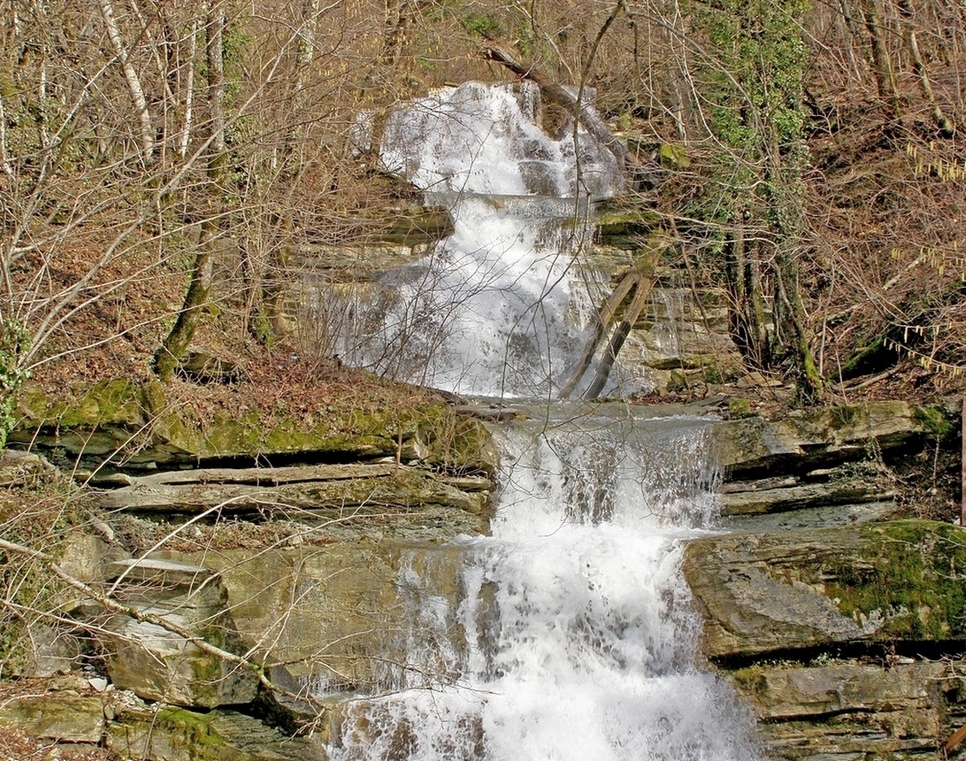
<point x="14" y="342"/>
<point x="110" y="418"/>
<point x="108" y="402"/>
<point x="738" y="407"/>
<point x="844" y="415"/>
<point x="677" y="382"/>
<point x="673" y="156"/>
<point x="750" y="678"/>
<point x="912" y="574"/>
<point x="712" y="374"/>
<point x="457" y="442"/>
<point x="481" y="25"/>
<point x="624" y="225"/>
<point x="935" y="421"/>
<point x="196" y="732"/>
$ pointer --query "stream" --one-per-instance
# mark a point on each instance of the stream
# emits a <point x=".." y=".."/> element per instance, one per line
<point x="574" y="637"/>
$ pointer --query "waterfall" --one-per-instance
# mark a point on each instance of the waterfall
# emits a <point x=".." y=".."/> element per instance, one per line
<point x="574" y="637"/>
<point x="500" y="307"/>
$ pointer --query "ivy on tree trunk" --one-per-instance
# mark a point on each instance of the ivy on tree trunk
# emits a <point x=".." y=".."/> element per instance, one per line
<point x="754" y="85"/>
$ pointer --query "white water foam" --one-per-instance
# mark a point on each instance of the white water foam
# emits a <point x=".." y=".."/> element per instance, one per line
<point x="574" y="637"/>
<point x="577" y="628"/>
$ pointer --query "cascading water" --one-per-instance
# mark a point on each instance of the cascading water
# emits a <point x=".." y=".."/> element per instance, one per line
<point x="574" y="637"/>
<point x="499" y="307"/>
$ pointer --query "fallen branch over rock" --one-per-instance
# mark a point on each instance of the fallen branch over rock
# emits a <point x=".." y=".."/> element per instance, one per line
<point x="586" y="116"/>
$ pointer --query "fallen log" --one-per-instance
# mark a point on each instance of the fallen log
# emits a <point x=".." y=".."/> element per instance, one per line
<point x="603" y="319"/>
<point x="955" y="740"/>
<point x="641" y="294"/>
<point x="631" y="294"/>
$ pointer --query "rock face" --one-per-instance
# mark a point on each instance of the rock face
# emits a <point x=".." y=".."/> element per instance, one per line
<point x="176" y="734"/>
<point x="428" y="467"/>
<point x="71" y="711"/>
<point x="327" y="608"/>
<point x="69" y="716"/>
<point x="680" y="341"/>
<point x="158" y="664"/>
<point x="828" y="467"/>
<point x="119" y="425"/>
<point x="346" y="617"/>
<point x="755" y="447"/>
<point x="845" y="631"/>
<point x="881" y="583"/>
<point x="848" y="710"/>
<point x="418" y="500"/>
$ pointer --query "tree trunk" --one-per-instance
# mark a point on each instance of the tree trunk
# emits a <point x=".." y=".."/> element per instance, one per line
<point x="885" y="76"/>
<point x="265" y="321"/>
<point x="616" y="343"/>
<point x="746" y="314"/>
<point x="943" y="122"/>
<point x="133" y="83"/>
<point x="631" y="293"/>
<point x="189" y="92"/>
<point x="170" y="354"/>
<point x="798" y="345"/>
<point x="4" y="161"/>
<point x="602" y="322"/>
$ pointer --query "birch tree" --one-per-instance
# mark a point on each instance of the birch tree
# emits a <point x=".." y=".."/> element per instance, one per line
<point x="134" y="87"/>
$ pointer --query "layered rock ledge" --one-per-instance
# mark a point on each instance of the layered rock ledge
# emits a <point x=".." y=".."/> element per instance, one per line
<point x="842" y="629"/>
<point x="841" y="626"/>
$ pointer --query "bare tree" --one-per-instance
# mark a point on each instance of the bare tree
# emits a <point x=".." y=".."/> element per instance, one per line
<point x="172" y="350"/>
<point x="133" y="82"/>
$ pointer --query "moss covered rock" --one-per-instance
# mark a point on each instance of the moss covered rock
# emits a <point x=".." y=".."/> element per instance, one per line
<point x="65" y="716"/>
<point x="158" y="664"/>
<point x="168" y="733"/>
<point x="126" y="424"/>
<point x="753" y="447"/>
<point x="874" y="583"/>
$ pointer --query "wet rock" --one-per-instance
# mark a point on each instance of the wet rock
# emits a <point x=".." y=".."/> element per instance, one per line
<point x="169" y="733"/>
<point x="356" y="493"/>
<point x="65" y="716"/>
<point x="851" y="710"/>
<point x="682" y="345"/>
<point x="349" y="616"/>
<point x="753" y="447"/>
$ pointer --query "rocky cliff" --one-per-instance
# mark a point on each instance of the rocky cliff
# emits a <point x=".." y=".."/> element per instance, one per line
<point x="238" y="561"/>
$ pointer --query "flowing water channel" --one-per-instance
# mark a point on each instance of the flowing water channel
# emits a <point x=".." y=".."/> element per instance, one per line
<point x="571" y="635"/>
